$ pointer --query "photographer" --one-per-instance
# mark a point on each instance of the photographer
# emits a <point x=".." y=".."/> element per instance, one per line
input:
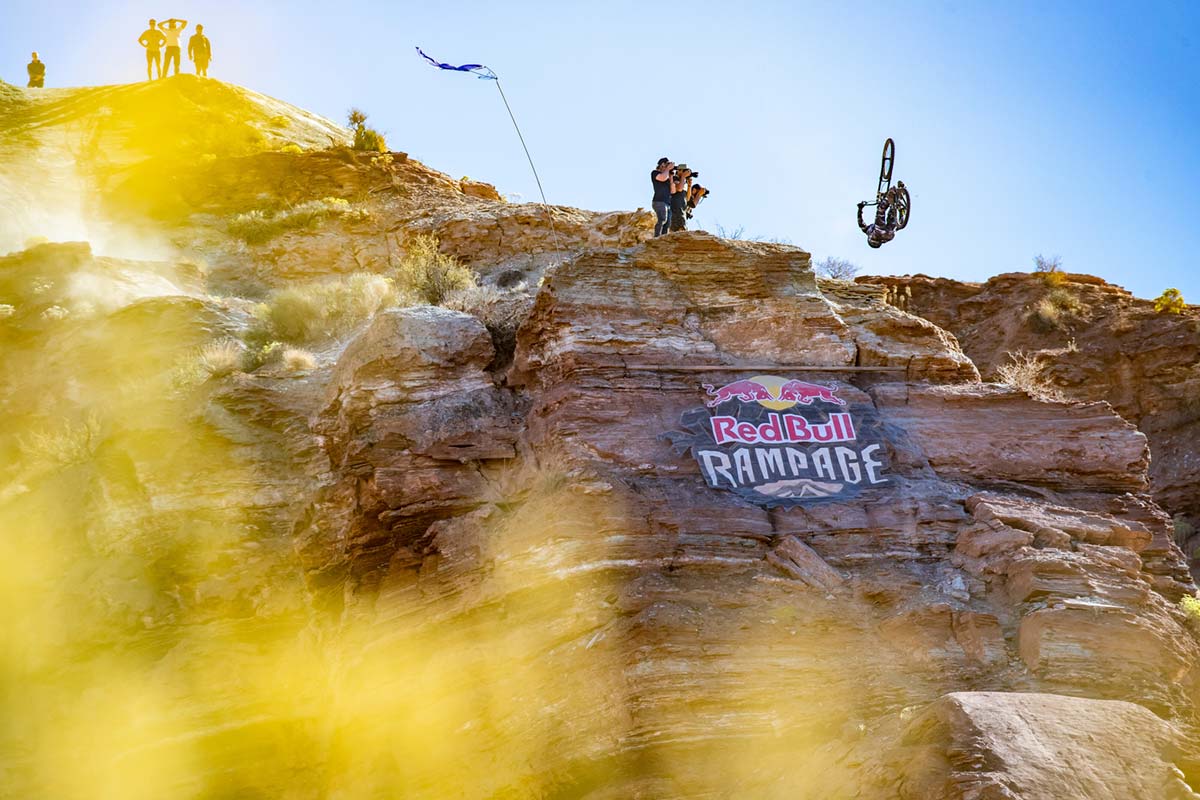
<point x="681" y="186"/>
<point x="660" y="179"/>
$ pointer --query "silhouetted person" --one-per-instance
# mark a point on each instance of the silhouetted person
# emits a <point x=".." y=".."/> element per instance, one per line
<point x="200" y="51"/>
<point x="171" y="31"/>
<point x="37" y="73"/>
<point x="153" y="41"/>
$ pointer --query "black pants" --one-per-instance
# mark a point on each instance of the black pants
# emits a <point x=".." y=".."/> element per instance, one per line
<point x="36" y="83"/>
<point x="662" y="211"/>
<point x="679" y="212"/>
<point x="172" y="54"/>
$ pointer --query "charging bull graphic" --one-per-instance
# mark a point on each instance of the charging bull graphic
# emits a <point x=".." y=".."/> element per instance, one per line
<point x="784" y="442"/>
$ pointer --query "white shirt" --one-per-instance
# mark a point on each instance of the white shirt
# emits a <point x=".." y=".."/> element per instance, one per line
<point x="172" y="36"/>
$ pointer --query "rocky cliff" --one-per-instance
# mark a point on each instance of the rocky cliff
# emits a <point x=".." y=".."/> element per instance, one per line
<point x="1094" y="341"/>
<point x="428" y="557"/>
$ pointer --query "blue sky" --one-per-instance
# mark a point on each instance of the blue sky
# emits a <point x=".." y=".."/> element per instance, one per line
<point x="1063" y="128"/>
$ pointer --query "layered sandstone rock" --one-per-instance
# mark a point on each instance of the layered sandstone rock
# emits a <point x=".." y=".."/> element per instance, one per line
<point x="653" y="637"/>
<point x="1097" y="342"/>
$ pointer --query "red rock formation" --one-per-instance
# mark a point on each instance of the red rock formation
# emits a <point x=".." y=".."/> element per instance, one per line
<point x="670" y="633"/>
<point x="1097" y="342"/>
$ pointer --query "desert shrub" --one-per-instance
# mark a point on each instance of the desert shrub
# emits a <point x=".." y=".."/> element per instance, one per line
<point x="1048" y="312"/>
<point x="297" y="360"/>
<point x="321" y="309"/>
<point x="500" y="311"/>
<point x="256" y="227"/>
<point x="220" y="358"/>
<point x="1050" y="270"/>
<point x="365" y="138"/>
<point x="1065" y="300"/>
<point x="429" y="274"/>
<point x="1043" y="264"/>
<point x="1026" y="373"/>
<point x="1045" y="315"/>
<point x="291" y="147"/>
<point x="1191" y="608"/>
<point x="837" y="268"/>
<point x="1170" y="302"/>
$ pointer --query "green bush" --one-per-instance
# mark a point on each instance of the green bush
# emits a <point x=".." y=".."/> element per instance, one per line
<point x="430" y="274"/>
<point x="1170" y="302"/>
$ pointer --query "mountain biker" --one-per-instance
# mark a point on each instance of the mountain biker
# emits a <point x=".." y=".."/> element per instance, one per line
<point x="886" y="223"/>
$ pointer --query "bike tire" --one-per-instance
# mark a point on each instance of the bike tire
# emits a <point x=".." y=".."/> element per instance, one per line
<point x="904" y="208"/>
<point x="886" y="164"/>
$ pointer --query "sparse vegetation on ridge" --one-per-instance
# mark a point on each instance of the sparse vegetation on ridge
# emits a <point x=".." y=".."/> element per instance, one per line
<point x="1170" y="302"/>
<point x="1024" y="371"/>
<point x="256" y="227"/>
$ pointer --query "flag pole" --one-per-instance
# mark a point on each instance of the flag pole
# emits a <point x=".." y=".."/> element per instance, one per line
<point x="529" y="158"/>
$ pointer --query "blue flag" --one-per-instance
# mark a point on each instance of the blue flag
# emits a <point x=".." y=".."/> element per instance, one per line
<point x="479" y="70"/>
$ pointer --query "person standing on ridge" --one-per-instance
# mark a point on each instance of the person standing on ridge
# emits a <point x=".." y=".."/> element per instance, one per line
<point x="681" y="185"/>
<point x="660" y="179"/>
<point x="171" y="32"/>
<point x="200" y="51"/>
<point x="37" y="73"/>
<point x="152" y="40"/>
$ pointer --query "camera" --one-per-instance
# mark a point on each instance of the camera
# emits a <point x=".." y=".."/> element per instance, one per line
<point x="680" y="168"/>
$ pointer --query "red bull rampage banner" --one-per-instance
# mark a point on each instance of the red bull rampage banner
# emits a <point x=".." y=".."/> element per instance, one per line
<point x="780" y="442"/>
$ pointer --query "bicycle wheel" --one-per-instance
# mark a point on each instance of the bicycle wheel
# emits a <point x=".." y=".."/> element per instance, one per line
<point x="885" y="166"/>
<point x="903" y="208"/>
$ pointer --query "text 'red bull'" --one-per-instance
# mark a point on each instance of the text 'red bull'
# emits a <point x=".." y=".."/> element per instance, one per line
<point x="783" y="428"/>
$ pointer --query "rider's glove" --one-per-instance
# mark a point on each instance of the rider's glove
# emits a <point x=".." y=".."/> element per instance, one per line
<point x="860" y="205"/>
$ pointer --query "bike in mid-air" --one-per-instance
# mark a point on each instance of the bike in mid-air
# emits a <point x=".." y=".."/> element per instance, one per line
<point x="893" y="203"/>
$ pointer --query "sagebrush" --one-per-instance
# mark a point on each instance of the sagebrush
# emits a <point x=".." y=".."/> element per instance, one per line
<point x="1025" y="372"/>
<point x="321" y="309"/>
<point x="430" y="274"/>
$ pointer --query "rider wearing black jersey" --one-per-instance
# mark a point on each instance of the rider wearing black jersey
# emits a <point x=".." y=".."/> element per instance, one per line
<point x="883" y="229"/>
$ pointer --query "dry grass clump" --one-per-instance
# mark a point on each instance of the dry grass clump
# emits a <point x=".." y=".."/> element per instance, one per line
<point x="430" y="274"/>
<point x="297" y="360"/>
<point x="501" y="312"/>
<point x="1026" y="373"/>
<point x="221" y="358"/>
<point x="322" y="309"/>
<point x="256" y="227"/>
<point x="1048" y="313"/>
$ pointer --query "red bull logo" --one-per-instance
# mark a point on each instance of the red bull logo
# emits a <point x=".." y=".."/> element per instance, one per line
<point x="814" y="453"/>
<point x="774" y="393"/>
